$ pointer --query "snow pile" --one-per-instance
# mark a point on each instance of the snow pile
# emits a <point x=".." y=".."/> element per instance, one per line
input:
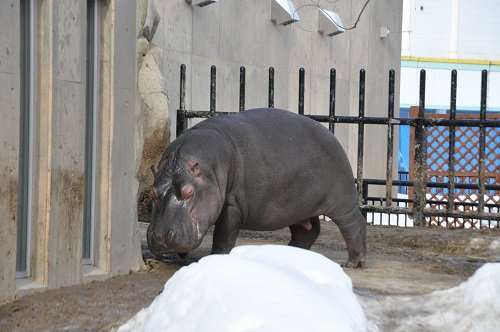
<point x="473" y="306"/>
<point x="481" y="301"/>
<point x="255" y="288"/>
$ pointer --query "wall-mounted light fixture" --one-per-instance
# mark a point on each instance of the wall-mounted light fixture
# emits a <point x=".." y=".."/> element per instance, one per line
<point x="201" y="3"/>
<point x="384" y="32"/>
<point x="283" y="12"/>
<point x="329" y="23"/>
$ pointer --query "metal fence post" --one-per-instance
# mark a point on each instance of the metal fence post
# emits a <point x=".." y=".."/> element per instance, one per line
<point x="242" y="89"/>
<point x="333" y="81"/>
<point x="361" y="136"/>
<point x="181" y="112"/>
<point x="213" y="77"/>
<point x="451" y="143"/>
<point x="482" y="140"/>
<point x="270" y="99"/>
<point x="420" y="158"/>
<point x="301" y="90"/>
<point x="390" y="140"/>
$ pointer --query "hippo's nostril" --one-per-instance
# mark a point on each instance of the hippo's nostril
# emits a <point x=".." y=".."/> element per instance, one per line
<point x="154" y="237"/>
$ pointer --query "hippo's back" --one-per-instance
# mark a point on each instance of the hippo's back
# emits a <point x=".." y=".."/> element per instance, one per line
<point x="286" y="165"/>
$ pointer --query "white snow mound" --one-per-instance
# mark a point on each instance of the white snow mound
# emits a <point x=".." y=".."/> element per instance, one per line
<point x="255" y="288"/>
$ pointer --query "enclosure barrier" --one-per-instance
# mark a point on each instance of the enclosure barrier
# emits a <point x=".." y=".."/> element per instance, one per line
<point x="417" y="209"/>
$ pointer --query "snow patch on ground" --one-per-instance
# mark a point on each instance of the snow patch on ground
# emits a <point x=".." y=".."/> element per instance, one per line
<point x="282" y="288"/>
<point x="473" y="306"/>
<point x="255" y="288"/>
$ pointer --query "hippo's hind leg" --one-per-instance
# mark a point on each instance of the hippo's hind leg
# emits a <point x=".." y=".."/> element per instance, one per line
<point x="353" y="229"/>
<point x="304" y="233"/>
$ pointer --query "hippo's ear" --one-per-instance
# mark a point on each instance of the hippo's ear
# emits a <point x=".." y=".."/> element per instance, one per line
<point x="153" y="194"/>
<point x="194" y="167"/>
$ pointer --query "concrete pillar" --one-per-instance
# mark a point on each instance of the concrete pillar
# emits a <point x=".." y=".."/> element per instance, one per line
<point x="9" y="142"/>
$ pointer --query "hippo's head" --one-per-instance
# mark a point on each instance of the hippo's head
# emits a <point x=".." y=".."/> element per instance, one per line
<point x="186" y="202"/>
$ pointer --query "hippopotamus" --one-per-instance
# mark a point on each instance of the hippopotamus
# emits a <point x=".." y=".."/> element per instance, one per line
<point x="261" y="169"/>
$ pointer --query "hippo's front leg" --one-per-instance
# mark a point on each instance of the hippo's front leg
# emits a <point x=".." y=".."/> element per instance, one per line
<point x="226" y="229"/>
<point x="353" y="229"/>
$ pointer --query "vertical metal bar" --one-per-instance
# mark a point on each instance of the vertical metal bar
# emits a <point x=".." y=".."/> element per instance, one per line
<point x="182" y="93"/>
<point x="361" y="136"/>
<point x="451" y="141"/>
<point x="242" y="88"/>
<point x="271" y="88"/>
<point x="420" y="157"/>
<point x="365" y="196"/>
<point x="181" y="117"/>
<point x="333" y="81"/>
<point x="301" y="90"/>
<point x="212" y="88"/>
<point x="390" y="141"/>
<point x="482" y="140"/>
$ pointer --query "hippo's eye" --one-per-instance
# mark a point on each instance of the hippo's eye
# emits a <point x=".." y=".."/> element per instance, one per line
<point x="187" y="192"/>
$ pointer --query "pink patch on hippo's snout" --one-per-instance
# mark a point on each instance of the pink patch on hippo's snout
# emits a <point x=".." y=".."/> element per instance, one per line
<point x="196" y="225"/>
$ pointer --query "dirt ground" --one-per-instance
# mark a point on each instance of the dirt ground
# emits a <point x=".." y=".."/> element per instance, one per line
<point x="400" y="261"/>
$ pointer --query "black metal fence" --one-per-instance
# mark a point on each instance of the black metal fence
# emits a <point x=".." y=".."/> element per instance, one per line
<point x="417" y="209"/>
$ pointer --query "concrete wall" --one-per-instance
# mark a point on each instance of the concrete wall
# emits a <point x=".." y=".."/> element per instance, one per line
<point x="59" y="146"/>
<point x="233" y="33"/>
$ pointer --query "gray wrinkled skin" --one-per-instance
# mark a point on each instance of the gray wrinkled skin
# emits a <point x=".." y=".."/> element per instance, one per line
<point x="262" y="169"/>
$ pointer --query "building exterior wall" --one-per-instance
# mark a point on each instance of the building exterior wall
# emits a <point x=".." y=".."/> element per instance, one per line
<point x="440" y="36"/>
<point x="230" y="34"/>
<point x="58" y="160"/>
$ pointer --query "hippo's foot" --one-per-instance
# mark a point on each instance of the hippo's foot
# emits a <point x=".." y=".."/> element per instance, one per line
<point x="355" y="263"/>
<point x="351" y="265"/>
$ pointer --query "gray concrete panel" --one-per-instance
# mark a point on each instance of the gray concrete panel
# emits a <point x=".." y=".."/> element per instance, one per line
<point x="9" y="37"/>
<point x="125" y="242"/>
<point x="206" y="31"/>
<point x="67" y="183"/>
<point x="124" y="47"/>
<point x="70" y="40"/>
<point x="9" y="164"/>
<point x="177" y="26"/>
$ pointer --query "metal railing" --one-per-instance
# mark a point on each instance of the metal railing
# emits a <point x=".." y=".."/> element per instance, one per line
<point x="415" y="210"/>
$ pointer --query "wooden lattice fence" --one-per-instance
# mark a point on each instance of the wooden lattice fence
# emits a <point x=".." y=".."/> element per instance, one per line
<point x="466" y="166"/>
